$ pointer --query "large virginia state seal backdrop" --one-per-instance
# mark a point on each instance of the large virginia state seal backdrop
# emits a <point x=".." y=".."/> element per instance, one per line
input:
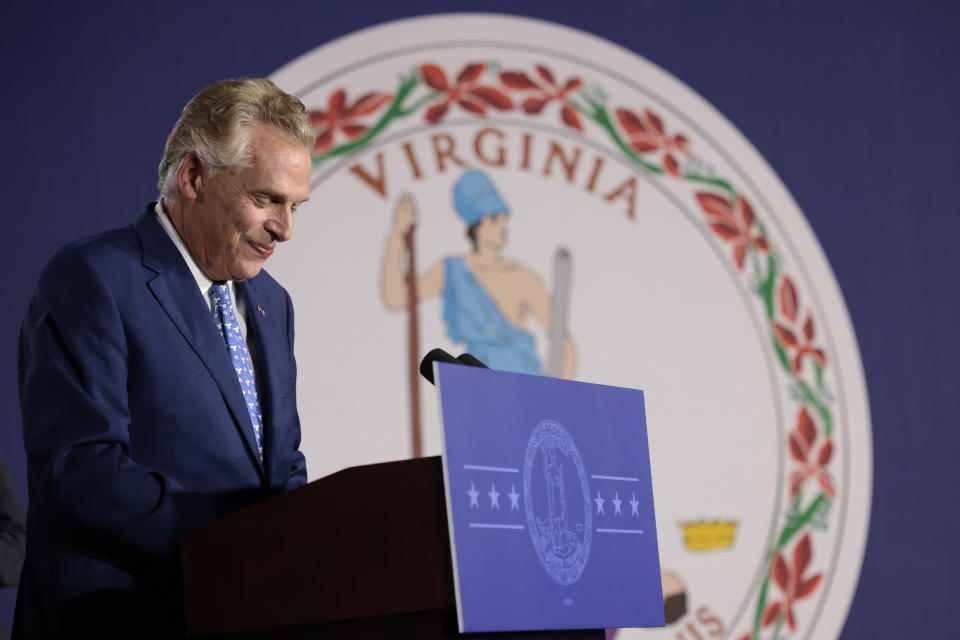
<point x="853" y="104"/>
<point x="695" y="277"/>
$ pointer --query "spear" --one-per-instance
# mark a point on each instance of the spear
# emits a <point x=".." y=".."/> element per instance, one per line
<point x="413" y="342"/>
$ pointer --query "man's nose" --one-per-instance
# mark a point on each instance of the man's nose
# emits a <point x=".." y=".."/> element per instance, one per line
<point x="281" y="224"/>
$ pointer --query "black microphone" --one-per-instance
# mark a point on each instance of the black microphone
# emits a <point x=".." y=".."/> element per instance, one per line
<point x="470" y="361"/>
<point x="435" y="355"/>
<point x="439" y="355"/>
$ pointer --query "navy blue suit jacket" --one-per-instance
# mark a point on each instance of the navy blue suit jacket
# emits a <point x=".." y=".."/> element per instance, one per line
<point x="136" y="430"/>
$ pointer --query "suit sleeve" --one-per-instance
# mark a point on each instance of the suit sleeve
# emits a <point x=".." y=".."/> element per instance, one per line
<point x="73" y="391"/>
<point x="298" y="465"/>
<point x="12" y="531"/>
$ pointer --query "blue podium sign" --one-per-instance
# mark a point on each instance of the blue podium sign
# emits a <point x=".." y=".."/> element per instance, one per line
<point x="549" y="502"/>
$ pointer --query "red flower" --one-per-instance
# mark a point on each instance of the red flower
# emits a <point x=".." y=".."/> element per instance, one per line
<point x="802" y="440"/>
<point x="789" y="308"/>
<point x="466" y="92"/>
<point x="342" y="117"/>
<point x="544" y="92"/>
<point x="732" y="224"/>
<point x="791" y="582"/>
<point x="647" y="133"/>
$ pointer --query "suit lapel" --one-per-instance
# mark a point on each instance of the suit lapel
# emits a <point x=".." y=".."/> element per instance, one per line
<point x="176" y="290"/>
<point x="268" y="341"/>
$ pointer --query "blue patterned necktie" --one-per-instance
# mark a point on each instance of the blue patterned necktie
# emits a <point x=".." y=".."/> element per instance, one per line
<point x="230" y="332"/>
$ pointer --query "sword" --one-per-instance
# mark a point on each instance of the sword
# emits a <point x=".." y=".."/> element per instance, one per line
<point x="562" y="270"/>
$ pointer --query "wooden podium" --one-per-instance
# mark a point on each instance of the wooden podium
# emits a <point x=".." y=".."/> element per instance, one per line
<point x="360" y="554"/>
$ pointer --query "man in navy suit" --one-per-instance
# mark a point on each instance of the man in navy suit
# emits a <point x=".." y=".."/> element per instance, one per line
<point x="148" y="408"/>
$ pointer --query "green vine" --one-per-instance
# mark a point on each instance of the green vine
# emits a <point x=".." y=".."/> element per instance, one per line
<point x="790" y="530"/>
<point x="395" y="110"/>
<point x="598" y="113"/>
<point x="717" y="182"/>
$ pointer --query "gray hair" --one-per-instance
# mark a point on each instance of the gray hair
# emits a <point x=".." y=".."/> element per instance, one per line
<point x="216" y="126"/>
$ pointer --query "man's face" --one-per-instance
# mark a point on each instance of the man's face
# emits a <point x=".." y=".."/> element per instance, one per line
<point x="240" y="215"/>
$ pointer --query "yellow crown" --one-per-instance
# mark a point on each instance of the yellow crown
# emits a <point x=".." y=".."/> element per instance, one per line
<point x="704" y="536"/>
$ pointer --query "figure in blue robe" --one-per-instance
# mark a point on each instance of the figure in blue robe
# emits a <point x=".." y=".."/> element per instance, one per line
<point x="473" y="318"/>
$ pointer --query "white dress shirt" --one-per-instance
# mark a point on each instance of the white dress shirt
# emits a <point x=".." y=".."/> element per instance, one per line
<point x="203" y="282"/>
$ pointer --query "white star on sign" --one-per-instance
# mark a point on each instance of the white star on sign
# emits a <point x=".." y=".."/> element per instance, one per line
<point x="599" y="502"/>
<point x="473" y="493"/>
<point x="633" y="504"/>
<point x="616" y="503"/>
<point x="514" y="498"/>
<point x="494" y="497"/>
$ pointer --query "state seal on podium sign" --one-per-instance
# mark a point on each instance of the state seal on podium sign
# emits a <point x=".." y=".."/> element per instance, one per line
<point x="556" y="494"/>
<point x="558" y="205"/>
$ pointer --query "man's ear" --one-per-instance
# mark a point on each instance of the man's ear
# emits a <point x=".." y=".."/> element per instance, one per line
<point x="190" y="178"/>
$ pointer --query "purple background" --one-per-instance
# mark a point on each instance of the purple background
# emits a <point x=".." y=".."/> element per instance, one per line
<point x="854" y="104"/>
